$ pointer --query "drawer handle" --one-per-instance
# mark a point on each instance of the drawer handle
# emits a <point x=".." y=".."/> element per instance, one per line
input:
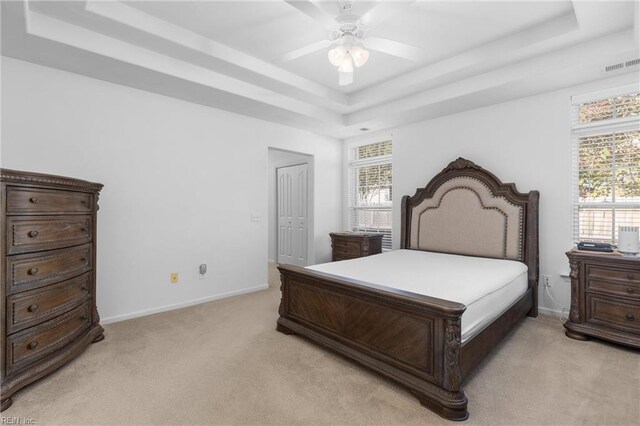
<point x="630" y="290"/>
<point x="33" y="271"/>
<point x="33" y="308"/>
<point x="83" y="318"/>
<point x="32" y="345"/>
<point x="33" y="234"/>
<point x="84" y="201"/>
<point x="83" y="260"/>
<point x="83" y="229"/>
<point x="34" y="200"/>
<point x="631" y="317"/>
<point x="630" y="276"/>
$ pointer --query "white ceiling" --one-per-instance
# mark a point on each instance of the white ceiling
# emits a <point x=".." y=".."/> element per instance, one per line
<point x="226" y="54"/>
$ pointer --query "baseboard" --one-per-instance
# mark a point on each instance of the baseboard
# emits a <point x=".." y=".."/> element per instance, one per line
<point x="118" y="318"/>
<point x="549" y="311"/>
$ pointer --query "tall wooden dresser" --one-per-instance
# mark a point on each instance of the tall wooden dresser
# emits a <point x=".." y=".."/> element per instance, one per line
<point x="49" y="313"/>
<point x="605" y="297"/>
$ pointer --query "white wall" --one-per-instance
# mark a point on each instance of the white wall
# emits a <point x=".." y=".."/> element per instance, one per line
<point x="277" y="159"/>
<point x="181" y="182"/>
<point x="527" y="141"/>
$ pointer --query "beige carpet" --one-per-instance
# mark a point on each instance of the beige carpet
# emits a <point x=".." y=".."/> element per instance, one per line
<point x="223" y="363"/>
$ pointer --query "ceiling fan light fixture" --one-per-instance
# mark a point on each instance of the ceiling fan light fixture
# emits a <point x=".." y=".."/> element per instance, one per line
<point x="347" y="65"/>
<point x="360" y="56"/>
<point x="337" y="55"/>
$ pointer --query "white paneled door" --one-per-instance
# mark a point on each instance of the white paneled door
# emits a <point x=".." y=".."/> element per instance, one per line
<point x="293" y="215"/>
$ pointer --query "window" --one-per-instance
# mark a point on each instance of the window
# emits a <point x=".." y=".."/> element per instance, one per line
<point x="370" y="190"/>
<point x="606" y="170"/>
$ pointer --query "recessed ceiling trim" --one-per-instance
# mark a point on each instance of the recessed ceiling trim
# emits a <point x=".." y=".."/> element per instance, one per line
<point x="521" y="71"/>
<point x="493" y="54"/>
<point x="71" y="35"/>
<point x="141" y="21"/>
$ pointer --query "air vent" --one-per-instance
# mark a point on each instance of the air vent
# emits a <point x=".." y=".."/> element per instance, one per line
<point x="614" y="67"/>
<point x="621" y="65"/>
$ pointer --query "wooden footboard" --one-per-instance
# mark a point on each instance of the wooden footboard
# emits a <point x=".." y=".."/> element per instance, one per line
<point x="409" y="338"/>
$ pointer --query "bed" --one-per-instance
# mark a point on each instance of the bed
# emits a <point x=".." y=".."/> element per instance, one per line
<point x="466" y="237"/>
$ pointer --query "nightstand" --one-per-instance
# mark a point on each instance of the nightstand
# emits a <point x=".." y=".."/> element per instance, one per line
<point x="351" y="245"/>
<point x="605" y="297"/>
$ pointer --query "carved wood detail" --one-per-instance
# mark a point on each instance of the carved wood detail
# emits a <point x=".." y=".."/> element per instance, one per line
<point x="452" y="370"/>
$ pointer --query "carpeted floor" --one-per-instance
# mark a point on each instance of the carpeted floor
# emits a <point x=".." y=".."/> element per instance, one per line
<point x="223" y="363"/>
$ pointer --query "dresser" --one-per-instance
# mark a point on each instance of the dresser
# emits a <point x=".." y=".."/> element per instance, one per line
<point x="49" y="315"/>
<point x="605" y="297"/>
<point x="351" y="245"/>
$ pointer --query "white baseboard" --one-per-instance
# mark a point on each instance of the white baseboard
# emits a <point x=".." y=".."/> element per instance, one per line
<point x="118" y="318"/>
<point x="549" y="311"/>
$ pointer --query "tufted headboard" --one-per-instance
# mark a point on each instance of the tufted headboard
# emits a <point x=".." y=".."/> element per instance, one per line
<point x="467" y="210"/>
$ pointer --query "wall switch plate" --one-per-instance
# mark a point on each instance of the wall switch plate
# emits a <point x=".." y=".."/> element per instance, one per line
<point x="174" y="278"/>
<point x="546" y="280"/>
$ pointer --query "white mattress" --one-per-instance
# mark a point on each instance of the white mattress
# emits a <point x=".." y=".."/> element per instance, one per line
<point x="487" y="287"/>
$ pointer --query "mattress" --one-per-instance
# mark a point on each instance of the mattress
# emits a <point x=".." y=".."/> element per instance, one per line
<point x="487" y="287"/>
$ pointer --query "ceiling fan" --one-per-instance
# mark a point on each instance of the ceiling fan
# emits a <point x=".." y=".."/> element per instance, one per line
<point x="348" y="37"/>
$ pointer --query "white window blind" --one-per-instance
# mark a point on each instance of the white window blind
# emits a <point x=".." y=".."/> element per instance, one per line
<point x="606" y="166"/>
<point x="370" y="189"/>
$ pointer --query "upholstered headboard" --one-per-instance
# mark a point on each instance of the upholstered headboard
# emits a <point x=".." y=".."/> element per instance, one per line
<point x="467" y="210"/>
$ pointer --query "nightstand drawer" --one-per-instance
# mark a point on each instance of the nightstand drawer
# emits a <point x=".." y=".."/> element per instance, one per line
<point x="614" y="288"/>
<point x="602" y="273"/>
<point x="347" y="247"/>
<point x="613" y="312"/>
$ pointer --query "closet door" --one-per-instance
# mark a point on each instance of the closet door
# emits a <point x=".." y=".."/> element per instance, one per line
<point x="293" y="215"/>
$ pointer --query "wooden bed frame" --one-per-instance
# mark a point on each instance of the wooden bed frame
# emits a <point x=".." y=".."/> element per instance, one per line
<point x="412" y="339"/>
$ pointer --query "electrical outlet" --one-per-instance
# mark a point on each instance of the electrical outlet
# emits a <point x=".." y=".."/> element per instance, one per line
<point x="546" y="281"/>
<point x="174" y="278"/>
<point x="203" y="270"/>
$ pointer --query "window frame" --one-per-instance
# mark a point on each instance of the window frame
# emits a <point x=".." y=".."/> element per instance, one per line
<point x="352" y="165"/>
<point x="592" y="129"/>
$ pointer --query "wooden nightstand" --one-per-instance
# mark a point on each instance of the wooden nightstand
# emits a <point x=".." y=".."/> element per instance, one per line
<point x="350" y="245"/>
<point x="605" y="297"/>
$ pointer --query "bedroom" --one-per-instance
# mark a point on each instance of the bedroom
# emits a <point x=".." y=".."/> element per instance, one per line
<point x="182" y="110"/>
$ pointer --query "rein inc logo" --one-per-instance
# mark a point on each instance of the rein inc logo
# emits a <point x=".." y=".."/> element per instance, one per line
<point x="5" y="420"/>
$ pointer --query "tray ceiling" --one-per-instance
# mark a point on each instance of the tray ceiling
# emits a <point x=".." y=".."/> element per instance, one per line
<point x="227" y="54"/>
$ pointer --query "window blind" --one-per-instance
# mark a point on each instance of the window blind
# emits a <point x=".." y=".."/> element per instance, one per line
<point x="370" y="189"/>
<point x="606" y="166"/>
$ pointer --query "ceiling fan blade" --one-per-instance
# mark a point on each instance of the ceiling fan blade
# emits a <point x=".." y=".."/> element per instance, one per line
<point x="294" y="54"/>
<point x="394" y="48"/>
<point x="382" y="11"/>
<point x="312" y="11"/>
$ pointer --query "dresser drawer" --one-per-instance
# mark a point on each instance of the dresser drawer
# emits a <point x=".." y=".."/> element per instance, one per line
<point x="30" y="200"/>
<point x="612" y="312"/>
<point x="34" y="233"/>
<point x="30" y="271"/>
<point x="37" y="342"/>
<point x="29" y="308"/>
